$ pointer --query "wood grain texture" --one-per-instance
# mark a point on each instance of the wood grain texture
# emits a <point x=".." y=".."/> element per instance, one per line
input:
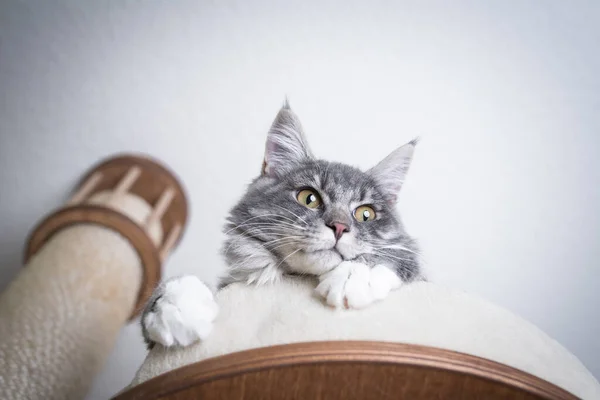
<point x="346" y="370"/>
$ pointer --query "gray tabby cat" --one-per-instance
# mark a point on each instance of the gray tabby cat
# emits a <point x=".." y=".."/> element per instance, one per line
<point x="301" y="216"/>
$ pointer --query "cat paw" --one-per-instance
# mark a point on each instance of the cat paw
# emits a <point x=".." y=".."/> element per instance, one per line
<point x="180" y="313"/>
<point x="356" y="285"/>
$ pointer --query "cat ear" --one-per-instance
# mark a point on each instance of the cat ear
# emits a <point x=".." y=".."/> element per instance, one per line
<point x="286" y="145"/>
<point x="390" y="172"/>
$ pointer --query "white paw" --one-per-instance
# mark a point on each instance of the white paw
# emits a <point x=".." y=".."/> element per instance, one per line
<point x="355" y="285"/>
<point x="182" y="314"/>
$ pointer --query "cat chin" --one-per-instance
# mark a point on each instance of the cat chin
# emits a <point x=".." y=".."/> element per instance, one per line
<point x="314" y="262"/>
<point x="349" y="249"/>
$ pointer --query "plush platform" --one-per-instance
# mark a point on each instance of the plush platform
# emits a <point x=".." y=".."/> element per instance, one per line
<point x="422" y="313"/>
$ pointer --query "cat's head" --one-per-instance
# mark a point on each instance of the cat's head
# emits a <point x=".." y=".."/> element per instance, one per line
<point x="314" y="214"/>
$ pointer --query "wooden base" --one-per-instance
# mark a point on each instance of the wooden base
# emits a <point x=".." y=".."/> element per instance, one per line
<point x="345" y="370"/>
<point x="137" y="175"/>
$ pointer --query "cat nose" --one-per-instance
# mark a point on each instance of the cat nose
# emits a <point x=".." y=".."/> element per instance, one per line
<point x="339" y="229"/>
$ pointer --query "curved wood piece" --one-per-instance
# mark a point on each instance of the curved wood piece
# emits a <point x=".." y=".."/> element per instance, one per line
<point x="84" y="190"/>
<point x="149" y="185"/>
<point x="346" y="370"/>
<point x="112" y="219"/>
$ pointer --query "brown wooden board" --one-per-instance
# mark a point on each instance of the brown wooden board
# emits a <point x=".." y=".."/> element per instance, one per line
<point x="345" y="370"/>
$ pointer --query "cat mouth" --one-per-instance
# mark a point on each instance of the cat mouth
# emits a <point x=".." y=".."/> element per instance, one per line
<point x="335" y="250"/>
<point x="329" y="250"/>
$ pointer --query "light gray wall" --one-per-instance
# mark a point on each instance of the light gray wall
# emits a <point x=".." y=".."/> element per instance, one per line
<point x="505" y="190"/>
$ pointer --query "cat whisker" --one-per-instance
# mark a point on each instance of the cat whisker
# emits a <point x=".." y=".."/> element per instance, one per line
<point x="392" y="247"/>
<point x="271" y="228"/>
<point x="391" y="257"/>
<point x="277" y="224"/>
<point x="268" y="231"/>
<point x="260" y="232"/>
<point x="283" y="244"/>
<point x="261" y="225"/>
<point x="286" y="257"/>
<point x="261" y="216"/>
<point x="283" y="237"/>
<point x="242" y="264"/>
<point x="240" y="236"/>
<point x="291" y="212"/>
<point x="289" y="219"/>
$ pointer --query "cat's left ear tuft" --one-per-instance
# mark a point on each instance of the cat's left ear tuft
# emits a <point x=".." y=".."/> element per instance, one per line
<point x="391" y="171"/>
<point x="286" y="145"/>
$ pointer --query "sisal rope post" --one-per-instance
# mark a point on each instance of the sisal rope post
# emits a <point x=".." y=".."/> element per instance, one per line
<point x="90" y="266"/>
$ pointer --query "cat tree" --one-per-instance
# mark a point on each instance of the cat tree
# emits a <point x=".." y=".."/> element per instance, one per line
<point x="90" y="266"/>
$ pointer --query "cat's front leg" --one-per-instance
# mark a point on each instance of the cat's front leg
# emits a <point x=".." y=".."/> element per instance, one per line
<point x="353" y="284"/>
<point x="180" y="312"/>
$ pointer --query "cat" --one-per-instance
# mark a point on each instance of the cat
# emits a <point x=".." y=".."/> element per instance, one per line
<point x="301" y="216"/>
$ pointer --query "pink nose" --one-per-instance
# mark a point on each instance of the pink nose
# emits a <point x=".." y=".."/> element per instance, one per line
<point x="339" y="229"/>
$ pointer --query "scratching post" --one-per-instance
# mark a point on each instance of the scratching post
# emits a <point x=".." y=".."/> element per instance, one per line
<point x="90" y="266"/>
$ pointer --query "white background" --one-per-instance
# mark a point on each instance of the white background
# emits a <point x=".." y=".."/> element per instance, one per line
<point x="504" y="191"/>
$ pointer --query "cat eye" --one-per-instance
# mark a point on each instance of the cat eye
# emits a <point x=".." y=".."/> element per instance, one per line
<point x="309" y="198"/>
<point x="364" y="213"/>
